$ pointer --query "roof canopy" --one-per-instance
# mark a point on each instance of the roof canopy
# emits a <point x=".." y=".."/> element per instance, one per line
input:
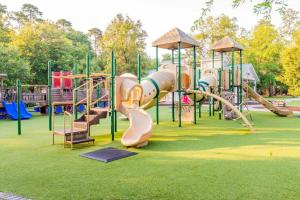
<point x="226" y="44"/>
<point x="170" y="40"/>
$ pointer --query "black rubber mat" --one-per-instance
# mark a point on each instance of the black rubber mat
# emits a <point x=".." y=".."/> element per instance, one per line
<point x="108" y="154"/>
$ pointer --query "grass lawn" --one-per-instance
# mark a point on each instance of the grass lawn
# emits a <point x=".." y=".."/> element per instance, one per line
<point x="211" y="160"/>
<point x="294" y="103"/>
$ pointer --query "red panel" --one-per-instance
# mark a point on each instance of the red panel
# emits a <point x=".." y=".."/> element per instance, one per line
<point x="67" y="82"/>
<point x="56" y="81"/>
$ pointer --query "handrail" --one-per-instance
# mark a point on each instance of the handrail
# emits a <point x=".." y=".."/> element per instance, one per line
<point x="98" y="100"/>
<point x="72" y="125"/>
<point x="76" y="89"/>
<point x="103" y="96"/>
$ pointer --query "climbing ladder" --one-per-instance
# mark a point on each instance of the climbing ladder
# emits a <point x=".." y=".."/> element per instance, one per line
<point x="78" y="130"/>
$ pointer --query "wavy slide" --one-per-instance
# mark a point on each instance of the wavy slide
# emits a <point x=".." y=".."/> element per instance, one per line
<point x="140" y="128"/>
<point x="265" y="103"/>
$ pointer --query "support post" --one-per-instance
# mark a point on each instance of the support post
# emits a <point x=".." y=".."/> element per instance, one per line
<point x="212" y="99"/>
<point x="112" y="99"/>
<point x="88" y="92"/>
<point x="173" y="94"/>
<point x="19" y="106"/>
<point x="199" y="78"/>
<point x="195" y="86"/>
<point x="219" y="88"/>
<point x="116" y="116"/>
<point x="232" y="69"/>
<point x="157" y="100"/>
<point x="75" y="71"/>
<point x="200" y="105"/>
<point x="87" y="66"/>
<point x="50" y="95"/>
<point x="179" y="85"/>
<point x="241" y="85"/>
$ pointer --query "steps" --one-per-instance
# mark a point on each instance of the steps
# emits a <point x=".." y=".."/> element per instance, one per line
<point x="81" y="126"/>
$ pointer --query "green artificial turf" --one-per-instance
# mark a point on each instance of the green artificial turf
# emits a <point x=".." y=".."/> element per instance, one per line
<point x="214" y="159"/>
<point x="294" y="103"/>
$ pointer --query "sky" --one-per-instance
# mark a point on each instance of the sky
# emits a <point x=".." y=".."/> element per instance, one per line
<point x="157" y="16"/>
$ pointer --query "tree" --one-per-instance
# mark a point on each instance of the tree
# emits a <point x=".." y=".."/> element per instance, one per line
<point x="80" y="46"/>
<point x="263" y="51"/>
<point x="28" y="13"/>
<point x="64" y="24"/>
<point x="166" y="57"/>
<point x="12" y="64"/>
<point x="290" y="60"/>
<point x="211" y="29"/>
<point x="290" y="23"/>
<point x="263" y="7"/>
<point x="95" y="35"/>
<point x="4" y="30"/>
<point x="31" y="12"/>
<point x="3" y="10"/>
<point x="41" y="42"/>
<point x="127" y="38"/>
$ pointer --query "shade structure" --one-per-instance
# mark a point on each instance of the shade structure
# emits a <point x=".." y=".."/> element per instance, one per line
<point x="170" y="40"/>
<point x="226" y="44"/>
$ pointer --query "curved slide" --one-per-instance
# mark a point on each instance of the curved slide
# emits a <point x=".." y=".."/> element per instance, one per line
<point x="265" y="103"/>
<point x="140" y="128"/>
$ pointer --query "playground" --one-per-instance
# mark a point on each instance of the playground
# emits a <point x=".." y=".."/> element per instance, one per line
<point x="207" y="161"/>
<point x="98" y="118"/>
<point x="192" y="145"/>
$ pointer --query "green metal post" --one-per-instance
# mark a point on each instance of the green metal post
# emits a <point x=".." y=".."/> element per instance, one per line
<point x="241" y="86"/>
<point x="116" y="116"/>
<point x="88" y="66"/>
<point x="220" y="79"/>
<point x="19" y="106"/>
<point x="50" y="95"/>
<point x="232" y="69"/>
<point x="173" y="94"/>
<point x="179" y="85"/>
<point x="212" y="99"/>
<point x="157" y="101"/>
<point x="200" y="109"/>
<point x="195" y="86"/>
<point x="199" y="77"/>
<point x="75" y="71"/>
<point x="112" y="99"/>
<point x="139" y="71"/>
<point x="220" y="84"/>
<point x="209" y="108"/>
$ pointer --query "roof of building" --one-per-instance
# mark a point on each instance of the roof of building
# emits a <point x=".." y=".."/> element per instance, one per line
<point x="170" y="40"/>
<point x="249" y="72"/>
<point x="226" y="44"/>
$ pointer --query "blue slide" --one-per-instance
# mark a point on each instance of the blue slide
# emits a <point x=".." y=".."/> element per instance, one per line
<point x="11" y="110"/>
